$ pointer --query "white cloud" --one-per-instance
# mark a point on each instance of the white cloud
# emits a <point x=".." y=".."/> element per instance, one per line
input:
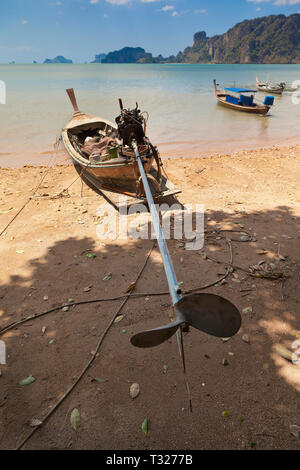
<point x="24" y="22"/>
<point x="286" y="2"/>
<point x="118" y="2"/>
<point x="167" y="8"/>
<point x="276" y="2"/>
<point x="123" y="2"/>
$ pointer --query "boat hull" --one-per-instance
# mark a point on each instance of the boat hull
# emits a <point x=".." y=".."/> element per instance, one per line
<point x="114" y="176"/>
<point x="258" y="109"/>
<point x="117" y="173"/>
<point x="266" y="88"/>
<point x="276" y="91"/>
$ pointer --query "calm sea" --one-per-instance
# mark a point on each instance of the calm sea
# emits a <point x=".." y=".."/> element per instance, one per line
<point x="184" y="117"/>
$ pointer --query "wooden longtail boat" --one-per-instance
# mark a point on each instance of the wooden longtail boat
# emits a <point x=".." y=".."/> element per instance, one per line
<point x="267" y="87"/>
<point x="118" y="170"/>
<point x="242" y="103"/>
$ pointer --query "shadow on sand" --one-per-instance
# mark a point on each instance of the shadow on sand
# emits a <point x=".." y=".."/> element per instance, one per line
<point x="257" y="384"/>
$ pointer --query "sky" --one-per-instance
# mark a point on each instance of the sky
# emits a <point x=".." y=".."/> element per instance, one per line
<point x="80" y="29"/>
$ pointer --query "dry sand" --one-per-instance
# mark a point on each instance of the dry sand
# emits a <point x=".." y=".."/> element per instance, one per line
<point x="43" y="255"/>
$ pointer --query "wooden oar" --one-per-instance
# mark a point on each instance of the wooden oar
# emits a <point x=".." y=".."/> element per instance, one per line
<point x="209" y="313"/>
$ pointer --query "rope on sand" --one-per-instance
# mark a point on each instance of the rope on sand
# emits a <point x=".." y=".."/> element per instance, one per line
<point x="125" y="298"/>
<point x="48" y="167"/>
<point x="89" y="363"/>
<point x="11" y="326"/>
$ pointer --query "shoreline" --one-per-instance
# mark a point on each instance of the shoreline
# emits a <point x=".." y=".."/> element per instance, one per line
<point x="154" y="63"/>
<point x="165" y="155"/>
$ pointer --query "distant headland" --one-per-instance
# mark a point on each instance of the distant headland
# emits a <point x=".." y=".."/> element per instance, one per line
<point x="58" y="60"/>
<point x="273" y="39"/>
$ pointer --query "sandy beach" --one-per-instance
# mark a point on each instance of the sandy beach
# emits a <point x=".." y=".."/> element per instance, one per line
<point x="51" y="256"/>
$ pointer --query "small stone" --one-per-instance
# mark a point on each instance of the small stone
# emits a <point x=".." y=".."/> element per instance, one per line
<point x="34" y="423"/>
<point x="295" y="430"/>
<point x="93" y="353"/>
<point x="262" y="252"/>
<point x="134" y="390"/>
<point x="246" y="339"/>
<point x="65" y="309"/>
<point x="46" y="298"/>
<point x="225" y="362"/>
<point x="247" y="310"/>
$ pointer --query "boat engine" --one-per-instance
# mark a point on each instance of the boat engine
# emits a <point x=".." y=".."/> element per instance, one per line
<point x="130" y="125"/>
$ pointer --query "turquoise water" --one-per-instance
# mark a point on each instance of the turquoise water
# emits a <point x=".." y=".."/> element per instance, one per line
<point x="184" y="117"/>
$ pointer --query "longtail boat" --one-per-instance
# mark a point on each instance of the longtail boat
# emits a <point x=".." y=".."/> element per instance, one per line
<point x="242" y="102"/>
<point x="268" y="87"/>
<point x="208" y="313"/>
<point x="103" y="155"/>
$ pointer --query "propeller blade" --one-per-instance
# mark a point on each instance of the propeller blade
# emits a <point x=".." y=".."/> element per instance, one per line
<point x="209" y="313"/>
<point x="155" y="337"/>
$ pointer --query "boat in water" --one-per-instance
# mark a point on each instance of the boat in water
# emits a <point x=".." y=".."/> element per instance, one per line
<point x="103" y="154"/>
<point x="238" y="99"/>
<point x="268" y="87"/>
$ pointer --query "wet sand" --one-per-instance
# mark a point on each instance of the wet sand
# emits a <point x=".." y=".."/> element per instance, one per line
<point x="44" y="256"/>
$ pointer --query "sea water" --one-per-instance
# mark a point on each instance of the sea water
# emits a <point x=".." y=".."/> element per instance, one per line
<point x="184" y="117"/>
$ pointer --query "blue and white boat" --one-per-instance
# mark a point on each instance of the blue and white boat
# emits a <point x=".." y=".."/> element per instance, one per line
<point x="242" y="99"/>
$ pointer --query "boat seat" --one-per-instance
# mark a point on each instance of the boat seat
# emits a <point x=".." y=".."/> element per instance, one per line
<point x="232" y="99"/>
<point x="246" y="100"/>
